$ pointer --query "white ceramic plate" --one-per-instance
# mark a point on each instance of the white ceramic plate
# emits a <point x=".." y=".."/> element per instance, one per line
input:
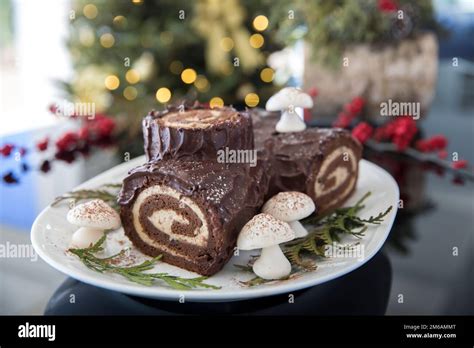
<point x="51" y="235"/>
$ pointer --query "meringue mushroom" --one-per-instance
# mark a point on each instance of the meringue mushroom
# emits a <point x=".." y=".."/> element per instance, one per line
<point x="93" y="218"/>
<point x="265" y="232"/>
<point x="286" y="100"/>
<point x="290" y="207"/>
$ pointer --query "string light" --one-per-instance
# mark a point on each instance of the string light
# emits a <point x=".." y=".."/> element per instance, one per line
<point x="107" y="40"/>
<point x="130" y="93"/>
<point x="176" y="67"/>
<point x="137" y="2"/>
<point x="90" y="11"/>
<point x="252" y="100"/>
<point x="188" y="76"/>
<point x="227" y="44"/>
<point x="201" y="83"/>
<point x="132" y="76"/>
<point x="112" y="82"/>
<point x="256" y="40"/>
<point x="267" y="75"/>
<point x="163" y="95"/>
<point x="260" y="23"/>
<point x="216" y="102"/>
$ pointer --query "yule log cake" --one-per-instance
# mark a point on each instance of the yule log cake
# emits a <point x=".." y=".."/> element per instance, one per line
<point x="190" y="211"/>
<point x="185" y="205"/>
<point x="195" y="131"/>
<point x="321" y="162"/>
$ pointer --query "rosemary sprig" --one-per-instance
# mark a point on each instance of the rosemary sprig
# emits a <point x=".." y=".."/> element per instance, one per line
<point x="136" y="273"/>
<point x="104" y="192"/>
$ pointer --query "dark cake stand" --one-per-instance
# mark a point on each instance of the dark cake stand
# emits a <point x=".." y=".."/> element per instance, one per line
<point x="364" y="291"/>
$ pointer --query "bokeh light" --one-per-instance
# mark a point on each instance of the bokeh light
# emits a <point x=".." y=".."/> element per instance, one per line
<point x="267" y="75"/>
<point x="132" y="76"/>
<point x="163" y="95"/>
<point x="260" y="23"/>
<point x="107" y="40"/>
<point x="86" y="36"/>
<point x="112" y="82"/>
<point x="216" y="102"/>
<point x="130" y="93"/>
<point x="120" y="22"/>
<point x="188" y="75"/>
<point x="257" y="40"/>
<point x="252" y="99"/>
<point x="227" y="44"/>
<point x="90" y="11"/>
<point x="201" y="83"/>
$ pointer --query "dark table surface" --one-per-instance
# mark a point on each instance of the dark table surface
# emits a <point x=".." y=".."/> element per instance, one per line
<point x="425" y="267"/>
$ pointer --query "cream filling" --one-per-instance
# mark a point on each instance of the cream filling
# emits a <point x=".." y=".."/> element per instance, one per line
<point x="163" y="219"/>
<point x="340" y="174"/>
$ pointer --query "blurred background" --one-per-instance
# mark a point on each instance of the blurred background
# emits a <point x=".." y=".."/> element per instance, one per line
<point x="76" y="78"/>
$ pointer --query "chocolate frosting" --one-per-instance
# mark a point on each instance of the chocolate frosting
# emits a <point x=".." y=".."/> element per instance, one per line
<point x="195" y="131"/>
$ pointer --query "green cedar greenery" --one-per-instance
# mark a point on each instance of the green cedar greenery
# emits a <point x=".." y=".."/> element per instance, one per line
<point x="137" y="273"/>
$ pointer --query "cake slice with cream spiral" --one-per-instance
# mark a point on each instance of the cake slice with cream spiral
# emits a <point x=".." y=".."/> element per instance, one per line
<point x="321" y="162"/>
<point x="190" y="211"/>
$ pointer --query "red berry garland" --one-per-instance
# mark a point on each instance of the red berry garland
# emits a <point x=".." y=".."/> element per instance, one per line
<point x="69" y="146"/>
<point x="401" y="132"/>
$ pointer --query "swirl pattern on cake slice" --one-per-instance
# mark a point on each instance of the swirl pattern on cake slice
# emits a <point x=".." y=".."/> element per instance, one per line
<point x="322" y="162"/>
<point x="190" y="211"/>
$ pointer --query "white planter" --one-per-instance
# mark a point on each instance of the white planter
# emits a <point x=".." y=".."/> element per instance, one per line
<point x="405" y="72"/>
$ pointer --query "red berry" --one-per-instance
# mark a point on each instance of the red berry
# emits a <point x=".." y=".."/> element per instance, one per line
<point x="438" y="142"/>
<point x="387" y="6"/>
<point x="460" y="164"/>
<point x="443" y="154"/>
<point x="343" y="120"/>
<point x="356" y="105"/>
<point x="313" y="92"/>
<point x="362" y="132"/>
<point x="42" y="145"/>
<point x="45" y="166"/>
<point x="67" y="141"/>
<point x="10" y="178"/>
<point x="6" y="149"/>
<point x="83" y="133"/>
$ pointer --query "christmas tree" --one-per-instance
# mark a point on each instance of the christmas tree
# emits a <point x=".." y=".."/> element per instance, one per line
<point x="132" y="56"/>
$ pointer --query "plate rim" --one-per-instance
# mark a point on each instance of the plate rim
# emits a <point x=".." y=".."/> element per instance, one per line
<point x="198" y="295"/>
